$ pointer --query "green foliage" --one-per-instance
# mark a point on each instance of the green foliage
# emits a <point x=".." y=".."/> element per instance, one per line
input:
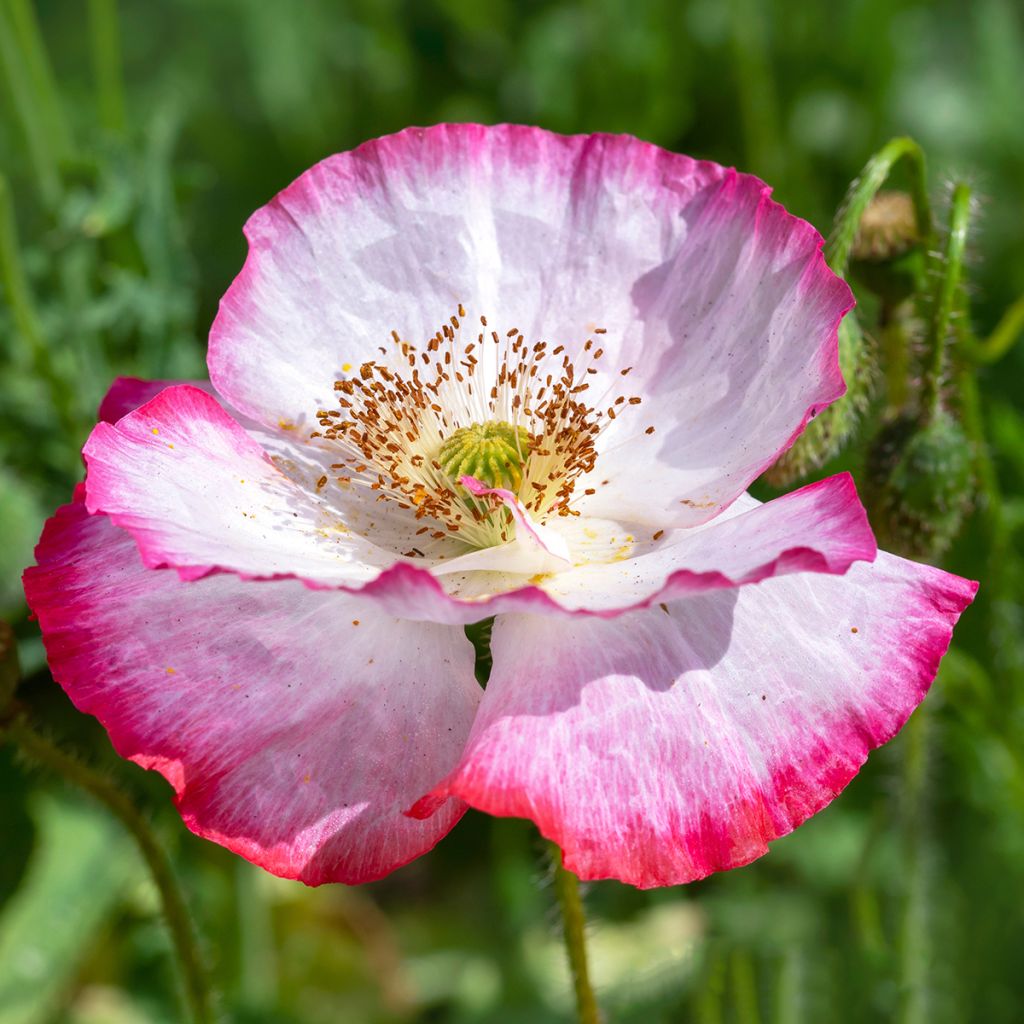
<point x="79" y="870"/>
<point x="135" y="138"/>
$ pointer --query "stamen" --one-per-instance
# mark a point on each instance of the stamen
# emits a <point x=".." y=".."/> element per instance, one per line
<point x="510" y="413"/>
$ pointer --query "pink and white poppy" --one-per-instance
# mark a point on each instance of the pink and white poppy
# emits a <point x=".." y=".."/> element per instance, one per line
<point x="470" y="372"/>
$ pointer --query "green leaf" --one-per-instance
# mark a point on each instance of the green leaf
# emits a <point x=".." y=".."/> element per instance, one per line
<point x="82" y="865"/>
<point x="21" y="519"/>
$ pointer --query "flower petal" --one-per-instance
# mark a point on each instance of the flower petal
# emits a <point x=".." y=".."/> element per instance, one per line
<point x="717" y="298"/>
<point x="667" y="744"/>
<point x="735" y="350"/>
<point x="127" y="393"/>
<point x="198" y="493"/>
<point x="819" y="528"/>
<point x="178" y="471"/>
<point x="534" y="549"/>
<point x="294" y="725"/>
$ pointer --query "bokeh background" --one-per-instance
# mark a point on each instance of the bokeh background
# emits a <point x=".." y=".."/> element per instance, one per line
<point x="135" y="138"/>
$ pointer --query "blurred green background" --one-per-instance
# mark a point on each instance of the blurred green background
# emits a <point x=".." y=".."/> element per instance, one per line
<point x="135" y="138"/>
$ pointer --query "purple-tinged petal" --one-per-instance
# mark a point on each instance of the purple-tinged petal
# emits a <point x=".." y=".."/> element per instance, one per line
<point x="535" y="548"/>
<point x="128" y="393"/>
<point x="188" y="493"/>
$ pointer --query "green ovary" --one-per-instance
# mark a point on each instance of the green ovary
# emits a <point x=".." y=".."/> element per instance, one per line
<point x="494" y="453"/>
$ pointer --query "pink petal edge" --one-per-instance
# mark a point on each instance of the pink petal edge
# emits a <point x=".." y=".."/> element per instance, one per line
<point x="193" y="729"/>
<point x="656" y="783"/>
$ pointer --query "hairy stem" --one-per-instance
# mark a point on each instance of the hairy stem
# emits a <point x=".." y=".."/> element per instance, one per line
<point x="942" y="310"/>
<point x="865" y="187"/>
<point x="574" y="922"/>
<point x="1006" y="334"/>
<point x="39" y="749"/>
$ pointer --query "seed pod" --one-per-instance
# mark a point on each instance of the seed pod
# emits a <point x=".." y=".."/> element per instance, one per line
<point x="919" y="485"/>
<point x="826" y="435"/>
<point x="887" y="257"/>
<point x="492" y="452"/>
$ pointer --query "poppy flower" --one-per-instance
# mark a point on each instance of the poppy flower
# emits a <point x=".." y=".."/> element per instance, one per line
<point x="492" y="371"/>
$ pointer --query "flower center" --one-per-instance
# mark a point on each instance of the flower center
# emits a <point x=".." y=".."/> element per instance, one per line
<point x="493" y="452"/>
<point x="512" y="413"/>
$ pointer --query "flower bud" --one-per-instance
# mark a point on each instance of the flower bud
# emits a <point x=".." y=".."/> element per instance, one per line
<point x="919" y="483"/>
<point x="887" y="257"/>
<point x="826" y="435"/>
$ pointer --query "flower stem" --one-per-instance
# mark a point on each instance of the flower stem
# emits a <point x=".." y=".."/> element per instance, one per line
<point x="25" y="65"/>
<point x="865" y="187"/>
<point x="1006" y="334"/>
<point x="574" y="923"/>
<point x="105" y="35"/>
<point x="40" y="749"/>
<point x="755" y="87"/>
<point x="938" y="333"/>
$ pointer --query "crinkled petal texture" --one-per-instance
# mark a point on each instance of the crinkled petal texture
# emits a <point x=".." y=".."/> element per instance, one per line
<point x="198" y="492"/>
<point x="664" y="745"/>
<point x="718" y="299"/>
<point x="295" y="725"/>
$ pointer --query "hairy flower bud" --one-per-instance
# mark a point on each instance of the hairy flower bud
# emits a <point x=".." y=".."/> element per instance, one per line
<point x="887" y="257"/>
<point x="919" y="482"/>
<point x="826" y="435"/>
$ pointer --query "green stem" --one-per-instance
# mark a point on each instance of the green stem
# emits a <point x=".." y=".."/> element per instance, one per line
<point x="916" y="926"/>
<point x="25" y="65"/>
<point x="15" y="285"/>
<point x="949" y="284"/>
<point x="41" y="750"/>
<point x="1007" y="333"/>
<point x="865" y="187"/>
<point x="574" y="922"/>
<point x="105" y="34"/>
<point x="896" y="344"/>
<point x="744" y="988"/>
<point x="790" y="1000"/>
<point x="755" y="86"/>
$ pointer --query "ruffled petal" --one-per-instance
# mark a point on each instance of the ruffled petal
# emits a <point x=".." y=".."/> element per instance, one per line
<point x="294" y="725"/>
<point x="198" y="492"/>
<point x="534" y="549"/>
<point x="127" y="393"/>
<point x="718" y="299"/>
<point x="820" y="528"/>
<point x="735" y="351"/>
<point x="670" y="743"/>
